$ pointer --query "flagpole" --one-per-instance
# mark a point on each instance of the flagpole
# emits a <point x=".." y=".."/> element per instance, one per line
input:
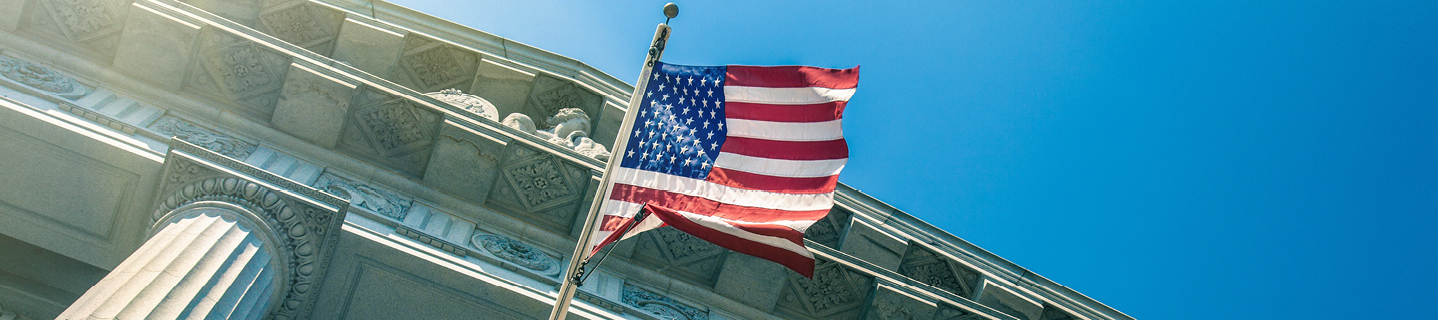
<point x="573" y="275"/>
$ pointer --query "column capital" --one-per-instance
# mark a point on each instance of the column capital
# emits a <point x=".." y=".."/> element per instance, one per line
<point x="304" y="221"/>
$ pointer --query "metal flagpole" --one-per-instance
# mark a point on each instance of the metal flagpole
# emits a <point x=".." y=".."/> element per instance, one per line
<point x="574" y="274"/>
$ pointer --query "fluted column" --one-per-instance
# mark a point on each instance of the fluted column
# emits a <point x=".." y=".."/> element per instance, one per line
<point x="210" y="261"/>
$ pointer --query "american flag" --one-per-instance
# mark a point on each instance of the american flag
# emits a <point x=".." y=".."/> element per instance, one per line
<point x="744" y="157"/>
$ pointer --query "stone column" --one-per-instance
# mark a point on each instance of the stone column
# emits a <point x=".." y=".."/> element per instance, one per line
<point x="211" y="260"/>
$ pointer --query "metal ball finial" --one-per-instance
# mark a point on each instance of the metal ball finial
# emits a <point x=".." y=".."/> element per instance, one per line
<point x="671" y="10"/>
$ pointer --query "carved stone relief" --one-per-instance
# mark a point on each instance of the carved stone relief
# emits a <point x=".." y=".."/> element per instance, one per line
<point x="683" y="255"/>
<point x="550" y="95"/>
<point x="469" y="102"/>
<point x="381" y="201"/>
<point x="570" y="131"/>
<point x="427" y="65"/>
<point x="224" y="144"/>
<point x="935" y="270"/>
<point x="518" y="252"/>
<point x="950" y="313"/>
<point x="232" y="69"/>
<point x="833" y="293"/>
<point x="540" y="185"/>
<point x="40" y="77"/>
<point x="391" y="130"/>
<point x="828" y="230"/>
<point x="85" y="20"/>
<point x="303" y="24"/>
<point x="661" y="306"/>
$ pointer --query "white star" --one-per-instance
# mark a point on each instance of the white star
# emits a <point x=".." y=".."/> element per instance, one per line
<point x="684" y="150"/>
<point x="704" y="81"/>
<point x="711" y="135"/>
<point x="664" y="136"/>
<point x="693" y="131"/>
<point x="666" y="97"/>
<point x="686" y="110"/>
<point x="706" y="103"/>
<point x="681" y="100"/>
<point x="687" y="161"/>
<point x="691" y="81"/>
<point x="713" y="145"/>
<point x="651" y="134"/>
<point x="711" y="113"/>
<point x="650" y="94"/>
<point x="656" y="76"/>
<point x="672" y="116"/>
<point x="631" y="153"/>
<point x="686" y="91"/>
<point x="672" y="158"/>
<point x="661" y="87"/>
<point x="721" y="126"/>
<point x="706" y="124"/>
<point x="711" y="93"/>
<point x="706" y="164"/>
<point x="636" y="132"/>
<point x="718" y="103"/>
<point x="643" y="156"/>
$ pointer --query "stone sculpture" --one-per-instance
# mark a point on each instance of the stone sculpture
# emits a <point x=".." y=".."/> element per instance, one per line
<point x="570" y="130"/>
<point x="469" y="102"/>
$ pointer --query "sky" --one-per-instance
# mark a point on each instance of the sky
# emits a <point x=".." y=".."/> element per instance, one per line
<point x="1173" y="160"/>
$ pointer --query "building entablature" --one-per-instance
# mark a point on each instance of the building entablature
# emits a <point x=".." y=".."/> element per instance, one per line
<point x="400" y="114"/>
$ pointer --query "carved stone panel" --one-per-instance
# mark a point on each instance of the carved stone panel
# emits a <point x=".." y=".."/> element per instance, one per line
<point x="427" y="65"/>
<point x="868" y="242"/>
<point x="87" y="20"/>
<point x="830" y="229"/>
<point x="221" y="143"/>
<point x="661" y="306"/>
<point x="465" y="162"/>
<point x="540" y="185"/>
<point x="312" y="106"/>
<point x="40" y="77"/>
<point x="369" y="48"/>
<point x="235" y="70"/>
<point x="156" y="47"/>
<point x="1053" y="313"/>
<point x="303" y="24"/>
<point x="390" y="130"/>
<point x="935" y="270"/>
<point x="951" y="313"/>
<point x="550" y="94"/>
<point x="892" y="304"/>
<point x="376" y="199"/>
<point x="835" y="292"/>
<point x="681" y="255"/>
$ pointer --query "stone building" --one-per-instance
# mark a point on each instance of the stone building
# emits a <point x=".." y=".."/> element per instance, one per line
<point x="332" y="159"/>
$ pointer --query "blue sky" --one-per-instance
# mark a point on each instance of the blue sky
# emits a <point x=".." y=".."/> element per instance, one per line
<point x="1215" y="159"/>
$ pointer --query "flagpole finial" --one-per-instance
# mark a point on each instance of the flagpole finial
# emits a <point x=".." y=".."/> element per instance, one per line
<point x="671" y="10"/>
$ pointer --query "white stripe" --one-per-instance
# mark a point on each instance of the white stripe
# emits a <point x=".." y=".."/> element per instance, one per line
<point x="779" y="167"/>
<point x="808" y="95"/>
<point x="787" y="131"/>
<point x="723" y="193"/>
<point x="797" y="225"/>
<point x="719" y="225"/>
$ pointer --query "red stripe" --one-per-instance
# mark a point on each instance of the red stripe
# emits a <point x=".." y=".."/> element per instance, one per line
<point x="792" y="77"/>
<point x="786" y="113"/>
<point x="787" y="150"/>
<point x="688" y="203"/>
<point x="794" y="261"/>
<point x="755" y="181"/>
<point x="618" y="223"/>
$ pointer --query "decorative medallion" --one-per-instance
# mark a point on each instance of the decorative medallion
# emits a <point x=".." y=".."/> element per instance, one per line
<point x="519" y="253"/>
<point x="827" y="230"/>
<point x="299" y="24"/>
<point x="541" y="183"/>
<point x="661" y="306"/>
<point x="84" y="20"/>
<point x="832" y="291"/>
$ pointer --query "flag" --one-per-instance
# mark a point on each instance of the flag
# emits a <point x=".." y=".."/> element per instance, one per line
<point x="744" y="157"/>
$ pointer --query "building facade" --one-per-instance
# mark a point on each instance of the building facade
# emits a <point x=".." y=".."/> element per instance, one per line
<point x="354" y="159"/>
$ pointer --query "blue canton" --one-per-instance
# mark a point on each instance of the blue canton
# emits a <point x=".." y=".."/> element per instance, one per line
<point x="680" y="128"/>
